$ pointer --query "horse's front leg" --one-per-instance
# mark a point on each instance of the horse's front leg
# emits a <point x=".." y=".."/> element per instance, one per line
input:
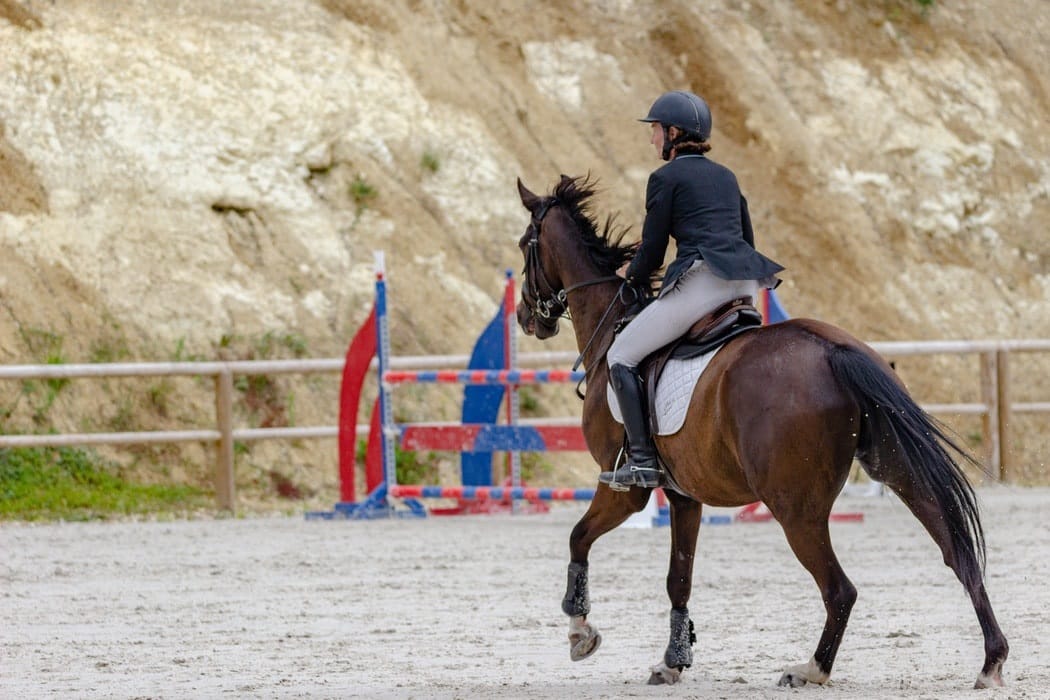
<point x="685" y="526"/>
<point x="607" y="511"/>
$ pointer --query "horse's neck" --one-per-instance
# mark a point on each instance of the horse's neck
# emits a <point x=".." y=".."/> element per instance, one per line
<point x="594" y="315"/>
<point x="604" y="435"/>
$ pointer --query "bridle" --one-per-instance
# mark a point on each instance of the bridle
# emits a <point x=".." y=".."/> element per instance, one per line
<point x="550" y="304"/>
<point x="555" y="304"/>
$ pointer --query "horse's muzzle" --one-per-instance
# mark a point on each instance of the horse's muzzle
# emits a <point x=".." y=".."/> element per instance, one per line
<point x="533" y="325"/>
<point x="526" y="319"/>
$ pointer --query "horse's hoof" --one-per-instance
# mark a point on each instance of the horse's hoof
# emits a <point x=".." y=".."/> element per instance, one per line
<point x="798" y="676"/>
<point x="791" y="680"/>
<point x="989" y="680"/>
<point x="664" y="675"/>
<point x="584" y="640"/>
<point x="582" y="649"/>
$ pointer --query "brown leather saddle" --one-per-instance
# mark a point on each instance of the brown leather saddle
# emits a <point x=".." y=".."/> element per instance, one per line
<point x="710" y="332"/>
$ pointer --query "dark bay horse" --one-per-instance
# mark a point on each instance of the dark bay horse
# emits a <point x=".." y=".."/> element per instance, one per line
<point x="778" y="416"/>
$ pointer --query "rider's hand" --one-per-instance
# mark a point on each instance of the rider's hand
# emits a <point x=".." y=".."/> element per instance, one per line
<point x="622" y="272"/>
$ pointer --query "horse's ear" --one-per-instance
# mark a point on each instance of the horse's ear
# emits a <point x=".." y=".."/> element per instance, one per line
<point x="528" y="199"/>
<point x="565" y="179"/>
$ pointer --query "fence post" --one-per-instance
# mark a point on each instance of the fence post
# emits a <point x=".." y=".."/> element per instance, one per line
<point x="510" y="361"/>
<point x="386" y="411"/>
<point x="1005" y="413"/>
<point x="225" y="492"/>
<point x="990" y="418"/>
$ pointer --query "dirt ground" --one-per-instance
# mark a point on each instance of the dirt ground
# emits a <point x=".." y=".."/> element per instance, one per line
<point x="281" y="607"/>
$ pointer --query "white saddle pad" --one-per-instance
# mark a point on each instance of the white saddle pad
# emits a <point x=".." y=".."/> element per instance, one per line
<point x="673" y="393"/>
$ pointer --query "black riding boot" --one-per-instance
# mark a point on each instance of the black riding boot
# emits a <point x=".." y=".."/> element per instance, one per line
<point x="641" y="467"/>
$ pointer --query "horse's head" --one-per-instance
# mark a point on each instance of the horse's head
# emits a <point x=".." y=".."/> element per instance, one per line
<point x="543" y="298"/>
<point x="564" y="251"/>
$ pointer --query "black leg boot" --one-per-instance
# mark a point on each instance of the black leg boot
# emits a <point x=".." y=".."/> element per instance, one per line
<point x="641" y="467"/>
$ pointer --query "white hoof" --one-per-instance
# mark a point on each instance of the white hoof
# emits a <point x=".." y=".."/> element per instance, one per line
<point x="798" y="676"/>
<point x="989" y="680"/>
<point x="663" y="675"/>
<point x="584" y="639"/>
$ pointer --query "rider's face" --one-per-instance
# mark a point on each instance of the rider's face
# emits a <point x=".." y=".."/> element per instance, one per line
<point x="657" y="138"/>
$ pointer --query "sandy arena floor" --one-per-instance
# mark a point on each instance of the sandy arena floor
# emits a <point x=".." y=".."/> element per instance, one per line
<point x="469" y="608"/>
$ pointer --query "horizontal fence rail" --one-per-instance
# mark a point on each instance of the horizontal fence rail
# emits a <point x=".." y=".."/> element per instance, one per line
<point x="484" y="376"/>
<point x="995" y="408"/>
<point x="495" y="493"/>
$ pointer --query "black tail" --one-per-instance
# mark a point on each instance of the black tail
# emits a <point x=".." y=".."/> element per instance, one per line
<point x="894" y="430"/>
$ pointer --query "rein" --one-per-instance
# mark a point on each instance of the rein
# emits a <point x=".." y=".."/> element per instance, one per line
<point x="601" y="321"/>
<point x="556" y="305"/>
<point x="597" y="328"/>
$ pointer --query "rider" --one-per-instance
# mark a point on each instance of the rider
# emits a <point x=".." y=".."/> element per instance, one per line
<point x="698" y="203"/>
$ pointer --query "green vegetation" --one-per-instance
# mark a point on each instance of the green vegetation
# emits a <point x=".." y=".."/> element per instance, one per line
<point x="535" y="468"/>
<point x="105" y="353"/>
<point x="72" y="484"/>
<point x="528" y="401"/>
<point x="124" y="418"/>
<point x="268" y="346"/>
<point x="262" y="396"/>
<point x="415" y="467"/>
<point x="160" y="396"/>
<point x="925" y="6"/>
<point x="43" y="344"/>
<point x="904" y="11"/>
<point x="430" y="162"/>
<point x="111" y="347"/>
<point x="412" y="467"/>
<point x="362" y="193"/>
<point x="39" y="395"/>
<point x="181" y="355"/>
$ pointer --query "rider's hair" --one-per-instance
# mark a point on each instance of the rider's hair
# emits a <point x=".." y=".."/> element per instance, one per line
<point x="691" y="145"/>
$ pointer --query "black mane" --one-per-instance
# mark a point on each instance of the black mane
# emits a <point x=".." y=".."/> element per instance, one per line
<point x="606" y="248"/>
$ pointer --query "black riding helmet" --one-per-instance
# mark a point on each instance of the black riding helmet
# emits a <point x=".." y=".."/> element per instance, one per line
<point x="684" y="110"/>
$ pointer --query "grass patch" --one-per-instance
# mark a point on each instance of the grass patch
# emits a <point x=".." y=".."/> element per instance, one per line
<point x="411" y="467"/>
<point x="528" y="401"/>
<point x="535" y="468"/>
<point x="362" y="193"/>
<point x="430" y="162"/>
<point x="65" y="483"/>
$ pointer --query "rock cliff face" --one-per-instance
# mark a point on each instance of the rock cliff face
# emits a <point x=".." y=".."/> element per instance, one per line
<point x="185" y="178"/>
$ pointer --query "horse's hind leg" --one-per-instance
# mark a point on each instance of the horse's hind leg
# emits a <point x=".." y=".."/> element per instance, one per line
<point x="685" y="526"/>
<point x="810" y="540"/>
<point x="608" y="510"/>
<point x="966" y="569"/>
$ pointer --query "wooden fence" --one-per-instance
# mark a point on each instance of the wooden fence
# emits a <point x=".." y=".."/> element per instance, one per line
<point x="996" y="407"/>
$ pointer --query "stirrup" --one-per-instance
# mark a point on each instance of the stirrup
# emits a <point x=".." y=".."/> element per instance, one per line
<point x="630" y="475"/>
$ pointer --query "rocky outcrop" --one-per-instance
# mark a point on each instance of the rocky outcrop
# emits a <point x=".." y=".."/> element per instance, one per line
<point x="186" y="172"/>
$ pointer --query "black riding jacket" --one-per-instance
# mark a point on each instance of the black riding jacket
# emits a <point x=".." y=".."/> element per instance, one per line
<point x="698" y="203"/>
